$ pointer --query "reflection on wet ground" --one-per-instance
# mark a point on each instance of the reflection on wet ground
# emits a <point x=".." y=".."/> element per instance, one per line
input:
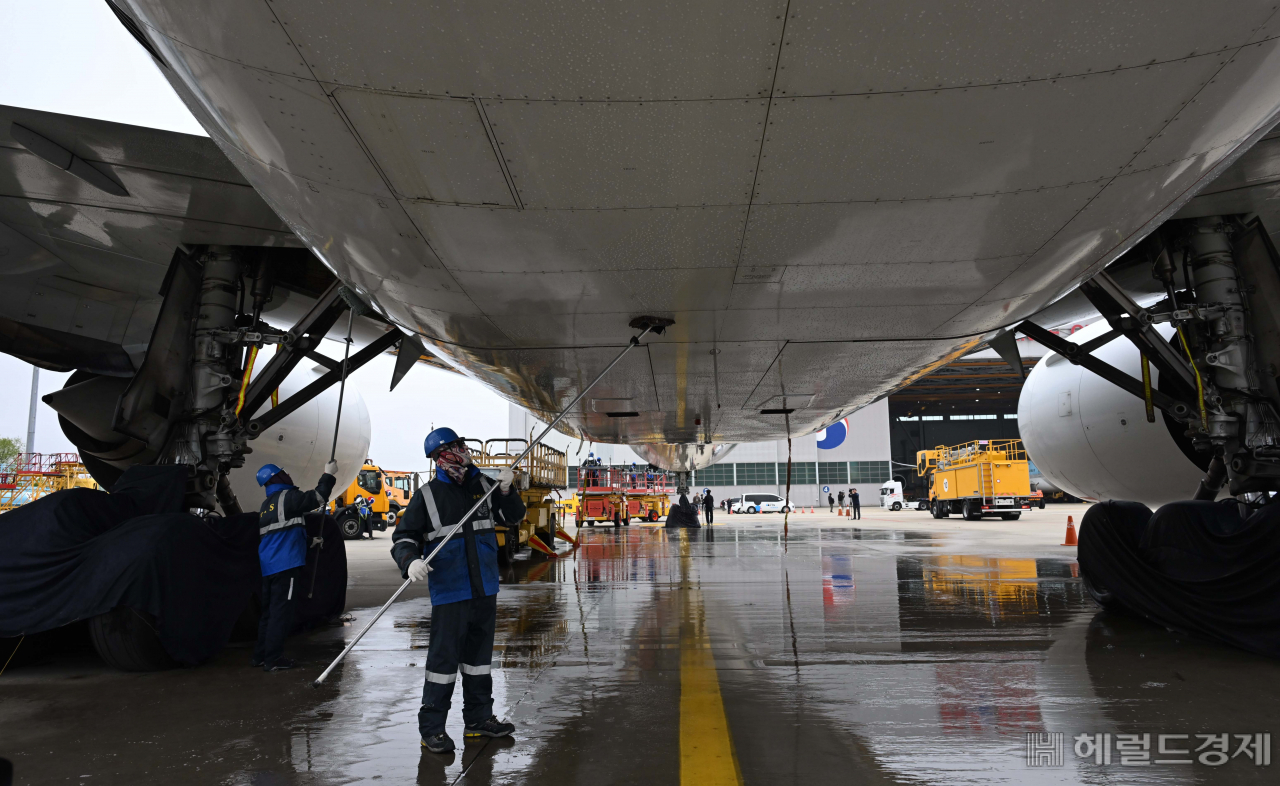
<point x="721" y="655"/>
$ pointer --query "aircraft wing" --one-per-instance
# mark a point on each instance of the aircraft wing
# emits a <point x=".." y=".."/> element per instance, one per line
<point x="90" y="215"/>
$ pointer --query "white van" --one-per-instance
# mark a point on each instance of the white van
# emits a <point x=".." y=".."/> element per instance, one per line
<point x="760" y="503"/>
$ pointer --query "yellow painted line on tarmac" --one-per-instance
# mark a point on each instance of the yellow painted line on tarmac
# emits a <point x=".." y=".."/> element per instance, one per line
<point x="707" y="757"/>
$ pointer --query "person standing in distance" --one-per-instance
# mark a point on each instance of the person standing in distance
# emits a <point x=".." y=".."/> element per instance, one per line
<point x="463" y="585"/>
<point x="282" y="551"/>
<point x="855" y="503"/>
<point x="708" y="505"/>
<point x="831" y="503"/>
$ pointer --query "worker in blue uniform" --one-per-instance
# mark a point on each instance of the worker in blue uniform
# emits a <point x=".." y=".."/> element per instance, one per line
<point x="463" y="584"/>
<point x="282" y="551"/>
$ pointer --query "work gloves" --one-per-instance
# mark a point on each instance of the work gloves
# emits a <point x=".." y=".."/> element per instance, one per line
<point x="331" y="468"/>
<point x="505" y="478"/>
<point x="418" y="570"/>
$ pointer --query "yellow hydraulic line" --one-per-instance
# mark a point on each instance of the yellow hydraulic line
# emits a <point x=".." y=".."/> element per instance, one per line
<point x="1204" y="414"/>
<point x="244" y="382"/>
<point x="1146" y="390"/>
<point x="275" y="394"/>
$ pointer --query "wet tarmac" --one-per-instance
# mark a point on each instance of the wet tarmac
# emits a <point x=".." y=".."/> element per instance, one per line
<point x="898" y="649"/>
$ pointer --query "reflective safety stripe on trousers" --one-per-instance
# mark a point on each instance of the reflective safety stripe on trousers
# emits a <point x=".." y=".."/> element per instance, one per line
<point x="474" y="671"/>
<point x="281" y="521"/>
<point x="438" y="529"/>
<point x="442" y="679"/>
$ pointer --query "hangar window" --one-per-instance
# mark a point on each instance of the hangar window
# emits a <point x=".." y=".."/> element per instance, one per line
<point x="756" y="474"/>
<point x="868" y="471"/>
<point x="714" y="475"/>
<point x="573" y="477"/>
<point x="836" y="472"/>
<point x="931" y="417"/>
<point x="1010" y="417"/>
<point x="803" y="473"/>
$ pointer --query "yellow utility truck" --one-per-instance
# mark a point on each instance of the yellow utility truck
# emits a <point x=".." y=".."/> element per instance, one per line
<point x="986" y="477"/>
<point x="543" y="473"/>
<point x="369" y="485"/>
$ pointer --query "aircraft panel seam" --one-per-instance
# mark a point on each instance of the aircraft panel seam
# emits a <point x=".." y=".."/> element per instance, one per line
<point x="1115" y="251"/>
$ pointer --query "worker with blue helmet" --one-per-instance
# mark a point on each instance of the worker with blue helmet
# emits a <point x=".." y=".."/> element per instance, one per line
<point x="463" y="584"/>
<point x="282" y="551"/>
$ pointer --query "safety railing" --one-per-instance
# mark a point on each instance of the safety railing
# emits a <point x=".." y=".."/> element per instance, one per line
<point x="29" y="476"/>
<point x="632" y="481"/>
<point x="638" y="481"/>
<point x="599" y="479"/>
<point x="980" y="450"/>
<point x="547" y="467"/>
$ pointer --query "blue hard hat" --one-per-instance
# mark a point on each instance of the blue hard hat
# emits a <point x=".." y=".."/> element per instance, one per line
<point x="438" y="439"/>
<point x="267" y="472"/>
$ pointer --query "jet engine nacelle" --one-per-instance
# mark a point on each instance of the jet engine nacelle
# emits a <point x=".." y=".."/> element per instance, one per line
<point x="299" y="443"/>
<point x="1092" y="439"/>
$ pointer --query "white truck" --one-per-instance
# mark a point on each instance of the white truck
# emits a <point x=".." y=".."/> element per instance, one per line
<point x="891" y="497"/>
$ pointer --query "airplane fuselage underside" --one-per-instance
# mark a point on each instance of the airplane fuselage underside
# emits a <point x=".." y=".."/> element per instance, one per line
<point x="830" y="200"/>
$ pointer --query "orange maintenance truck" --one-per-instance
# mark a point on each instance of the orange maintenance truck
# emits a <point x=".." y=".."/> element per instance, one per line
<point x="619" y="494"/>
<point x="400" y="487"/>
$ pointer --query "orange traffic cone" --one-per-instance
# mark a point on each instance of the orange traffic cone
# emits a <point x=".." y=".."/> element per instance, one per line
<point x="848" y="513"/>
<point x="1071" y="532"/>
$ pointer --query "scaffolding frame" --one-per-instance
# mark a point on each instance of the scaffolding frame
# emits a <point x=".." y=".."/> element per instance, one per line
<point x="30" y="476"/>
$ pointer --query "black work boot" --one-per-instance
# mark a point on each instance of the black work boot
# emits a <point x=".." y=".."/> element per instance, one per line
<point x="490" y="728"/>
<point x="438" y="743"/>
<point x="279" y="665"/>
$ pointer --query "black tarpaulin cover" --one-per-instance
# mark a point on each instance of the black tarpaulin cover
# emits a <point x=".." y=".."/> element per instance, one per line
<point x="323" y="594"/>
<point x="80" y="552"/>
<point x="682" y="514"/>
<point x="1191" y="566"/>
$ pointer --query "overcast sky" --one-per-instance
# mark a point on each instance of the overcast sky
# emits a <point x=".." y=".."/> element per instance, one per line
<point x="74" y="57"/>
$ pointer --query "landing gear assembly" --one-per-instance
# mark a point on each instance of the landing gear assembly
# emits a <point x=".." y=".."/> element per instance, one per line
<point x="1219" y="371"/>
<point x="194" y="401"/>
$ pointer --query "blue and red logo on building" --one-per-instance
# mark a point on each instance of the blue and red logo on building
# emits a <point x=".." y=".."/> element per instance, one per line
<point x="833" y="436"/>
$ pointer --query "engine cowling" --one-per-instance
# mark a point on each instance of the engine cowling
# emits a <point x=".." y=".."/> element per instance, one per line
<point x="300" y="442"/>
<point x="1092" y="439"/>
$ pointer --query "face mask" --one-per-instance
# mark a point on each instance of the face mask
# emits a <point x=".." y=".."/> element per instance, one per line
<point x="454" y="460"/>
